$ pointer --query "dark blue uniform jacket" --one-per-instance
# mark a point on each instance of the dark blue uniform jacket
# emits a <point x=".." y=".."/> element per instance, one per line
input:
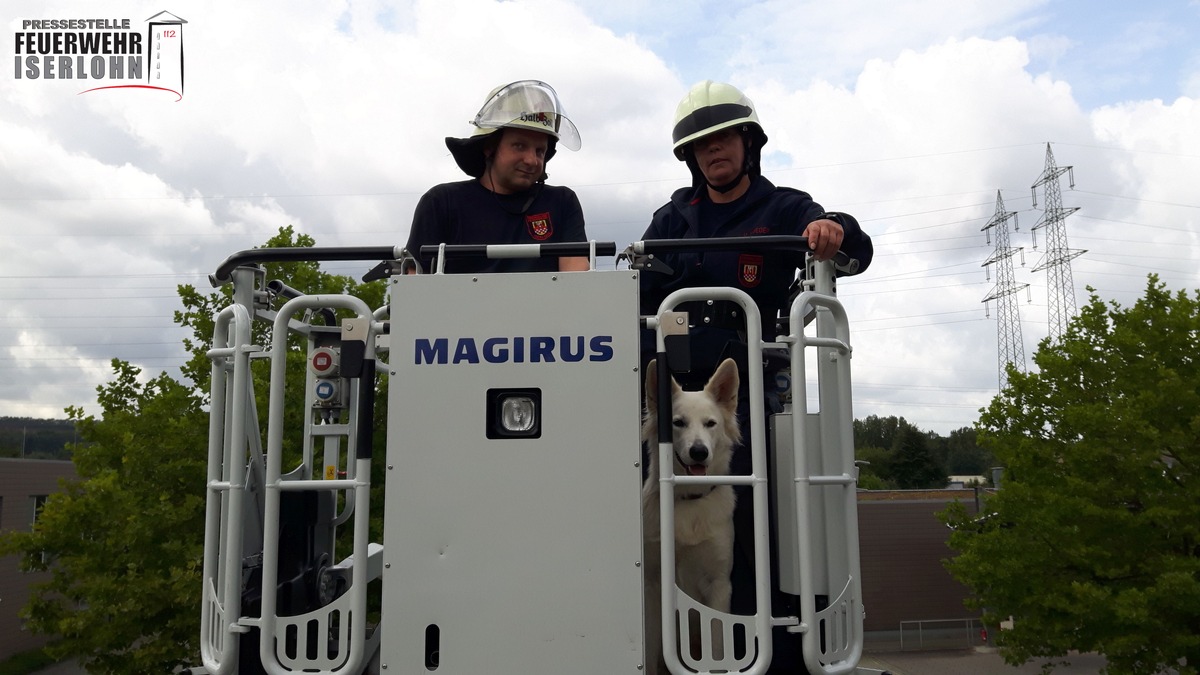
<point x="764" y="210"/>
<point x="466" y="212"/>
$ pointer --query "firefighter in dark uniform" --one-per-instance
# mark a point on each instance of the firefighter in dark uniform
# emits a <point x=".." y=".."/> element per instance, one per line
<point x="507" y="201"/>
<point x="718" y="135"/>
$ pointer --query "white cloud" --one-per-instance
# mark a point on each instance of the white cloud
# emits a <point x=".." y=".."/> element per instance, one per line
<point x="331" y="118"/>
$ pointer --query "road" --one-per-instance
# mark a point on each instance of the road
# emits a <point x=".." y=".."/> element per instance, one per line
<point x="979" y="661"/>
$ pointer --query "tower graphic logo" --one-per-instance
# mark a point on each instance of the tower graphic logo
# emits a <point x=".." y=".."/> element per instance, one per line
<point x="165" y="44"/>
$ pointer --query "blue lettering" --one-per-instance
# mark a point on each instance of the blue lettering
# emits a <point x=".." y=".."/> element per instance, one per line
<point x="601" y="348"/>
<point x="495" y="350"/>
<point x="499" y="350"/>
<point x="564" y="349"/>
<point x="541" y="349"/>
<point x="430" y="353"/>
<point x="465" y="351"/>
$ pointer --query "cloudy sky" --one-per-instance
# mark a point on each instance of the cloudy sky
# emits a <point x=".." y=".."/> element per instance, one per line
<point x="329" y="116"/>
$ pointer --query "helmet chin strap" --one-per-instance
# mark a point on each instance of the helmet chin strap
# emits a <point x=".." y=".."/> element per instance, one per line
<point x="533" y="193"/>
<point x="728" y="187"/>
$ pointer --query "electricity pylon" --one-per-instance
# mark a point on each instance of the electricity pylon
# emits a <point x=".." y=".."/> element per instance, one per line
<point x="1010" y="348"/>
<point x="1060" y="287"/>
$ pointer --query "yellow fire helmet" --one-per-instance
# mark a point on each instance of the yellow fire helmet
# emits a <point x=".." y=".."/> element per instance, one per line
<point x="526" y="104"/>
<point x="709" y="107"/>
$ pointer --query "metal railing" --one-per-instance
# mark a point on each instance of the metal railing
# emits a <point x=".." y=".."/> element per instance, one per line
<point x="941" y="634"/>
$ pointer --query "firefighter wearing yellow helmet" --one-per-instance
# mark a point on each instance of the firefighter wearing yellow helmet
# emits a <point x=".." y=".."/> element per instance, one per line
<point x="711" y="107"/>
<point x="507" y="201"/>
<point x="718" y="135"/>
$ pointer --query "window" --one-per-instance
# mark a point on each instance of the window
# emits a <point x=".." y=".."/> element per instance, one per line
<point x="38" y="501"/>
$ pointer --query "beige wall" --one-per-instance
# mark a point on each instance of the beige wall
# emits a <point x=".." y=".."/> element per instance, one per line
<point x="20" y="481"/>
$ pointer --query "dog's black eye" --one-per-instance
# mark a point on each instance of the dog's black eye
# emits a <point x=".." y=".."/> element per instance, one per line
<point x="708" y="424"/>
<point x="678" y="422"/>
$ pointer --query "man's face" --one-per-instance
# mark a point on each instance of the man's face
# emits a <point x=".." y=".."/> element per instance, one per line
<point x="519" y="160"/>
<point x="720" y="155"/>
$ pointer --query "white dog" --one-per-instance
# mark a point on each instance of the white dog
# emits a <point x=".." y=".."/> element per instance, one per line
<point x="705" y="431"/>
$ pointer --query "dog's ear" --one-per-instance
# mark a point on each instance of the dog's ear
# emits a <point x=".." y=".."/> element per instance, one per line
<point x="723" y="385"/>
<point x="652" y="385"/>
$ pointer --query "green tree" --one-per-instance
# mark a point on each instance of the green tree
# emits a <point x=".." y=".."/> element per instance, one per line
<point x="123" y="544"/>
<point x="939" y="451"/>
<point x="1093" y="541"/>
<point x="876" y="469"/>
<point x="964" y="456"/>
<point x="900" y="454"/>
<point x="877" y="432"/>
<point x="914" y="465"/>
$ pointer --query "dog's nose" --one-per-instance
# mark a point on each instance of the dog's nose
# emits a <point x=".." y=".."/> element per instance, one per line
<point x="698" y="452"/>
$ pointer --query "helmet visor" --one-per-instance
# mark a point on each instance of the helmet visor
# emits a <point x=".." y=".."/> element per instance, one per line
<point x="529" y="104"/>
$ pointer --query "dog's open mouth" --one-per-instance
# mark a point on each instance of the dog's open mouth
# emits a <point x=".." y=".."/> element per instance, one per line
<point x="692" y="469"/>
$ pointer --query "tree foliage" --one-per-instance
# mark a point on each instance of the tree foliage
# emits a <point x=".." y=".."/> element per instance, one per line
<point x="123" y="544"/>
<point x="36" y="438"/>
<point x="877" y="432"/>
<point x="964" y="457"/>
<point x="899" y="455"/>
<point x="1093" y="541"/>
<point x="914" y="465"/>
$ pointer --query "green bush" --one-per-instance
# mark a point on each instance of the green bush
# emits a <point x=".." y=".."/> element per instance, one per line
<point x="24" y="663"/>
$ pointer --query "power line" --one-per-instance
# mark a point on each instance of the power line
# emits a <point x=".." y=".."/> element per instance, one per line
<point x="1139" y="199"/>
<point x="1131" y="151"/>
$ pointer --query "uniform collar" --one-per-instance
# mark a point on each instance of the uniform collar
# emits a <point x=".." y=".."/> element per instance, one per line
<point x="687" y="200"/>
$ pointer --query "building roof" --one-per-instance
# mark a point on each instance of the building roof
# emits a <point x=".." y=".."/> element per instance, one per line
<point x="167" y="17"/>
